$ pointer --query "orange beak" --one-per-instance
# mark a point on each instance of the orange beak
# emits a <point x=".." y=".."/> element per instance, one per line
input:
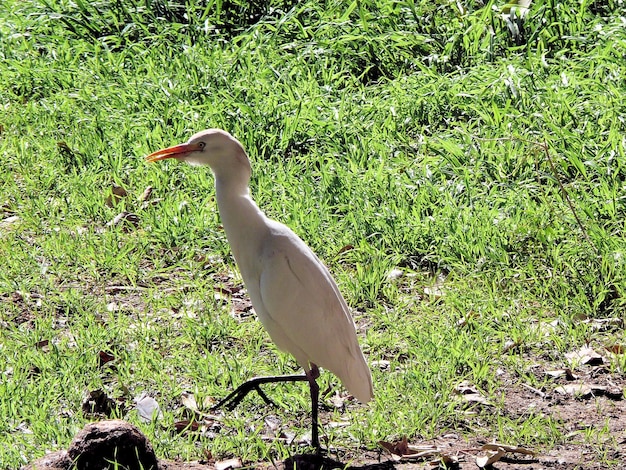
<point x="177" y="151"/>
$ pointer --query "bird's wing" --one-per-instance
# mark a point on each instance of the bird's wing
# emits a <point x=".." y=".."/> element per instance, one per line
<point x="305" y="314"/>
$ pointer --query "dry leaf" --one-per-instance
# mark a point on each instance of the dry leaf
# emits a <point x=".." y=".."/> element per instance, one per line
<point x="208" y="403"/>
<point x="339" y="401"/>
<point x="395" y="274"/>
<point x="147" y="408"/>
<point x="383" y="364"/>
<point x="548" y="328"/>
<point x="402" y="450"/>
<point x="496" y="451"/>
<point x="436" y="290"/>
<point x="586" y="390"/>
<point x="273" y="423"/>
<point x="208" y="261"/>
<point x="470" y="393"/>
<point x="388" y="446"/>
<point x="605" y="324"/>
<point x="421" y="452"/>
<point x="396" y="449"/>
<point x="569" y="375"/>
<point x="185" y="425"/>
<point x="10" y="220"/>
<point x="584" y="355"/>
<point x="337" y="424"/>
<point x="490" y="458"/>
<point x="476" y="398"/>
<point x="127" y="219"/>
<point x="507" y="448"/>
<point x="465" y="388"/>
<point x="578" y="389"/>
<point x="616" y="349"/>
<point x="510" y="344"/>
<point x="189" y="402"/>
<point x="146" y="194"/>
<point x="23" y="428"/>
<point x="465" y="320"/>
<point x="536" y="391"/>
<point x="433" y="291"/>
<point x="239" y="307"/>
<point x="117" y="193"/>
<point x="228" y="463"/>
<point x="345" y="248"/>
<point x="104" y="357"/>
<point x="447" y="460"/>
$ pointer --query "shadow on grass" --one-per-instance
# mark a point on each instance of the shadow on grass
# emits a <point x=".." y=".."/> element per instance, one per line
<point x="319" y="462"/>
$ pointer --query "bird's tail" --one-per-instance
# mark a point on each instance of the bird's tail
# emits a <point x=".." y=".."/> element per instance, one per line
<point x="357" y="378"/>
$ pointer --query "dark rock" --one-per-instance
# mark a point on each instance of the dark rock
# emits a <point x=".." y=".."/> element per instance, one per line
<point x="53" y="461"/>
<point x="104" y="445"/>
<point x="101" y="445"/>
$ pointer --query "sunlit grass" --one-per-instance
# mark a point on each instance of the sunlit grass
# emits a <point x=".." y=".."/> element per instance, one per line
<point x="389" y="136"/>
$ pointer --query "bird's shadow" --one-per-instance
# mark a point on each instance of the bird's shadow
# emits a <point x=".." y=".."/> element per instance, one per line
<point x="322" y="462"/>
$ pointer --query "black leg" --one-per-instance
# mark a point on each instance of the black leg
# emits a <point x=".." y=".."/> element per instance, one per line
<point x="311" y="376"/>
<point x="233" y="399"/>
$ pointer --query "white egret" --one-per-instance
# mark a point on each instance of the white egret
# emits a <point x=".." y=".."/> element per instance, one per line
<point x="293" y="293"/>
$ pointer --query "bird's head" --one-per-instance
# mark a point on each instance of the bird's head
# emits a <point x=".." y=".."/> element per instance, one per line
<point x="215" y="148"/>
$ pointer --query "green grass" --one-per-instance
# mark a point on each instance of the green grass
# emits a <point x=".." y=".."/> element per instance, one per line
<point x="407" y="131"/>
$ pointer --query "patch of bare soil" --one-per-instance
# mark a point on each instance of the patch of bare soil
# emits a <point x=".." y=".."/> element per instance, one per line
<point x="587" y="407"/>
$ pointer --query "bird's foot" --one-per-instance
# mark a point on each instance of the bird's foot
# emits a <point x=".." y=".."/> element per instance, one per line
<point x="234" y="398"/>
<point x="317" y="449"/>
<point x="266" y="399"/>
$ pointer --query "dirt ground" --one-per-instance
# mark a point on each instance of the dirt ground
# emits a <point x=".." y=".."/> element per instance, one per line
<point x="585" y="404"/>
<point x="593" y="418"/>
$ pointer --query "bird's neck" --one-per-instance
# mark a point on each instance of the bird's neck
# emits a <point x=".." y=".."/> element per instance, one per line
<point x="243" y="221"/>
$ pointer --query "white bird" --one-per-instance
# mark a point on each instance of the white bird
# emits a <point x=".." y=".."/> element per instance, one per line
<point x="293" y="293"/>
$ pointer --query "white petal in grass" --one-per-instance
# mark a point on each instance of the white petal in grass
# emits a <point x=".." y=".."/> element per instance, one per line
<point x="147" y="408"/>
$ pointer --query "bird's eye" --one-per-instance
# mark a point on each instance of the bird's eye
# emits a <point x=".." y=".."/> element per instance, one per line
<point x="201" y="145"/>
